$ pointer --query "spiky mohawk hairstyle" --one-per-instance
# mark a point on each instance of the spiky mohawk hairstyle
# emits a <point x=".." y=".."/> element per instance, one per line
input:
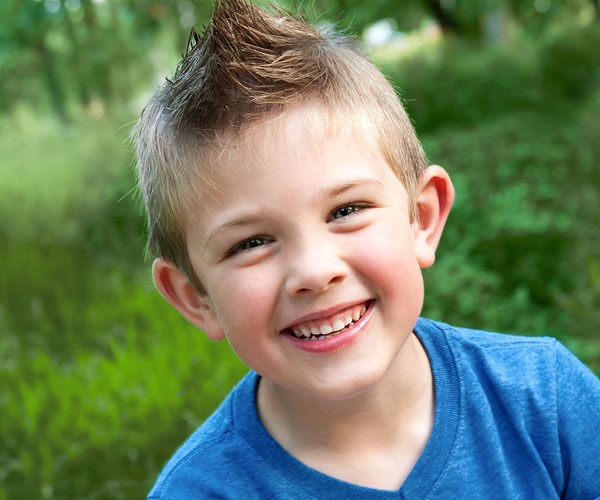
<point x="248" y="66"/>
<point x="245" y="60"/>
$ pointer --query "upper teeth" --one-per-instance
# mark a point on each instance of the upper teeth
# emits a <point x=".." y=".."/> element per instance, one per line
<point x="326" y="328"/>
<point x="338" y="325"/>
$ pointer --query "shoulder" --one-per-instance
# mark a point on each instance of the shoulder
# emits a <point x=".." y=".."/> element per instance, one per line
<point x="512" y="370"/>
<point x="524" y="407"/>
<point x="541" y="402"/>
<point x="204" y="464"/>
<point x="515" y="356"/>
<point x="232" y="456"/>
<point x="489" y="351"/>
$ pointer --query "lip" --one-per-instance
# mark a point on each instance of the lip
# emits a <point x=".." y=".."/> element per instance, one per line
<point x="325" y="313"/>
<point x="347" y="337"/>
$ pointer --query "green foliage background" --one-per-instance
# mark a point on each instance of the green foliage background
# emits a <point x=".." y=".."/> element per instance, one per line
<point x="101" y="378"/>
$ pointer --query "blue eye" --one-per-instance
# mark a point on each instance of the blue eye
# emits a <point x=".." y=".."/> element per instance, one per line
<point x="346" y="210"/>
<point x="249" y="244"/>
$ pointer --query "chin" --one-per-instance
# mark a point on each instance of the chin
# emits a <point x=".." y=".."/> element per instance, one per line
<point x="355" y="385"/>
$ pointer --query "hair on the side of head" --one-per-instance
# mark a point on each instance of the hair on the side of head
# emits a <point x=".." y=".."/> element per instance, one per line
<point x="248" y="66"/>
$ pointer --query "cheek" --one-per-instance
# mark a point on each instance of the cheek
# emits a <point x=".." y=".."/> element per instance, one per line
<point x="386" y="248"/>
<point x="244" y="300"/>
<point x="390" y="263"/>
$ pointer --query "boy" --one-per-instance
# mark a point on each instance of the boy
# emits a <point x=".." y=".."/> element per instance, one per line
<point x="291" y="208"/>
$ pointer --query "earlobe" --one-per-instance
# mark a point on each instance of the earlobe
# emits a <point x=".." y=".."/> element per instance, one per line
<point x="175" y="287"/>
<point x="435" y="196"/>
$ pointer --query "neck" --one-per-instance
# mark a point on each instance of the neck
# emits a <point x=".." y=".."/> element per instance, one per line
<point x="397" y="412"/>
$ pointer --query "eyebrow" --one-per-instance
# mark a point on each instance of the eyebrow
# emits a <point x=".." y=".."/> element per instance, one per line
<point x="362" y="181"/>
<point x="249" y="218"/>
<point x="244" y="219"/>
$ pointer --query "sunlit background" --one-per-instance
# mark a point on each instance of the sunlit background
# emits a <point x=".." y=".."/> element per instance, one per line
<point x="101" y="380"/>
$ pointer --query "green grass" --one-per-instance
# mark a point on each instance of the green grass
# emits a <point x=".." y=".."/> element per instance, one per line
<point x="107" y="419"/>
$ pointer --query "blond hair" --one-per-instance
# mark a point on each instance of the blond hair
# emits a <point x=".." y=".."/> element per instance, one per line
<point x="247" y="67"/>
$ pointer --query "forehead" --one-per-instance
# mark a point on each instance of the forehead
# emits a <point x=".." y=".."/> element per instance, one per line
<point x="301" y="130"/>
<point x="313" y="125"/>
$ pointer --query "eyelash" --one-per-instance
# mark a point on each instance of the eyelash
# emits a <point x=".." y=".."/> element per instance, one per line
<point x="248" y="244"/>
<point x="356" y="207"/>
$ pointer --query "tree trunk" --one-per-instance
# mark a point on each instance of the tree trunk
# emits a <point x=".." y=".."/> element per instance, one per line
<point x="444" y="18"/>
<point x="52" y="82"/>
<point x="84" y="96"/>
<point x="597" y="7"/>
<point x="89" y="15"/>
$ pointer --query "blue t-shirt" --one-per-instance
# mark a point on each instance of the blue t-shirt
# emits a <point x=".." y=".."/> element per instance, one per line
<point x="515" y="418"/>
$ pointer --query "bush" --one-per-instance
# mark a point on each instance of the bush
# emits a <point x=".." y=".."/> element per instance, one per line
<point x="517" y="254"/>
<point x="461" y="86"/>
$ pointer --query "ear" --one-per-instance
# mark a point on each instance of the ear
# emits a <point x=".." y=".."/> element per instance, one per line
<point x="175" y="287"/>
<point x="435" y="195"/>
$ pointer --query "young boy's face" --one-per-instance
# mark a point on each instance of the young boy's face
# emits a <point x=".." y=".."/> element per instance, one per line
<point x="297" y="241"/>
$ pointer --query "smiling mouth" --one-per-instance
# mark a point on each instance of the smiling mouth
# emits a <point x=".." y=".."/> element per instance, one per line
<point x="325" y="328"/>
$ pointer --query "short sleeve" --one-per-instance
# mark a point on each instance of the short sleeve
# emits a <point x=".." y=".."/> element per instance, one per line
<point x="578" y="407"/>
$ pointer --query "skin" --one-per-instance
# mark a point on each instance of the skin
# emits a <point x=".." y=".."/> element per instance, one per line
<point x="301" y="228"/>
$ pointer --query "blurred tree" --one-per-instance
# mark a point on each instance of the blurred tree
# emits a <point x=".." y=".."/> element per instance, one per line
<point x="477" y="20"/>
<point x="23" y="33"/>
<point x="60" y="53"/>
<point x="63" y="52"/>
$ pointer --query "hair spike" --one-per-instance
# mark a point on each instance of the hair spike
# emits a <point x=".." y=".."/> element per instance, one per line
<point x="193" y="40"/>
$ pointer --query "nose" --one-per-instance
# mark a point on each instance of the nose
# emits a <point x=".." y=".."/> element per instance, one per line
<point x="313" y="268"/>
